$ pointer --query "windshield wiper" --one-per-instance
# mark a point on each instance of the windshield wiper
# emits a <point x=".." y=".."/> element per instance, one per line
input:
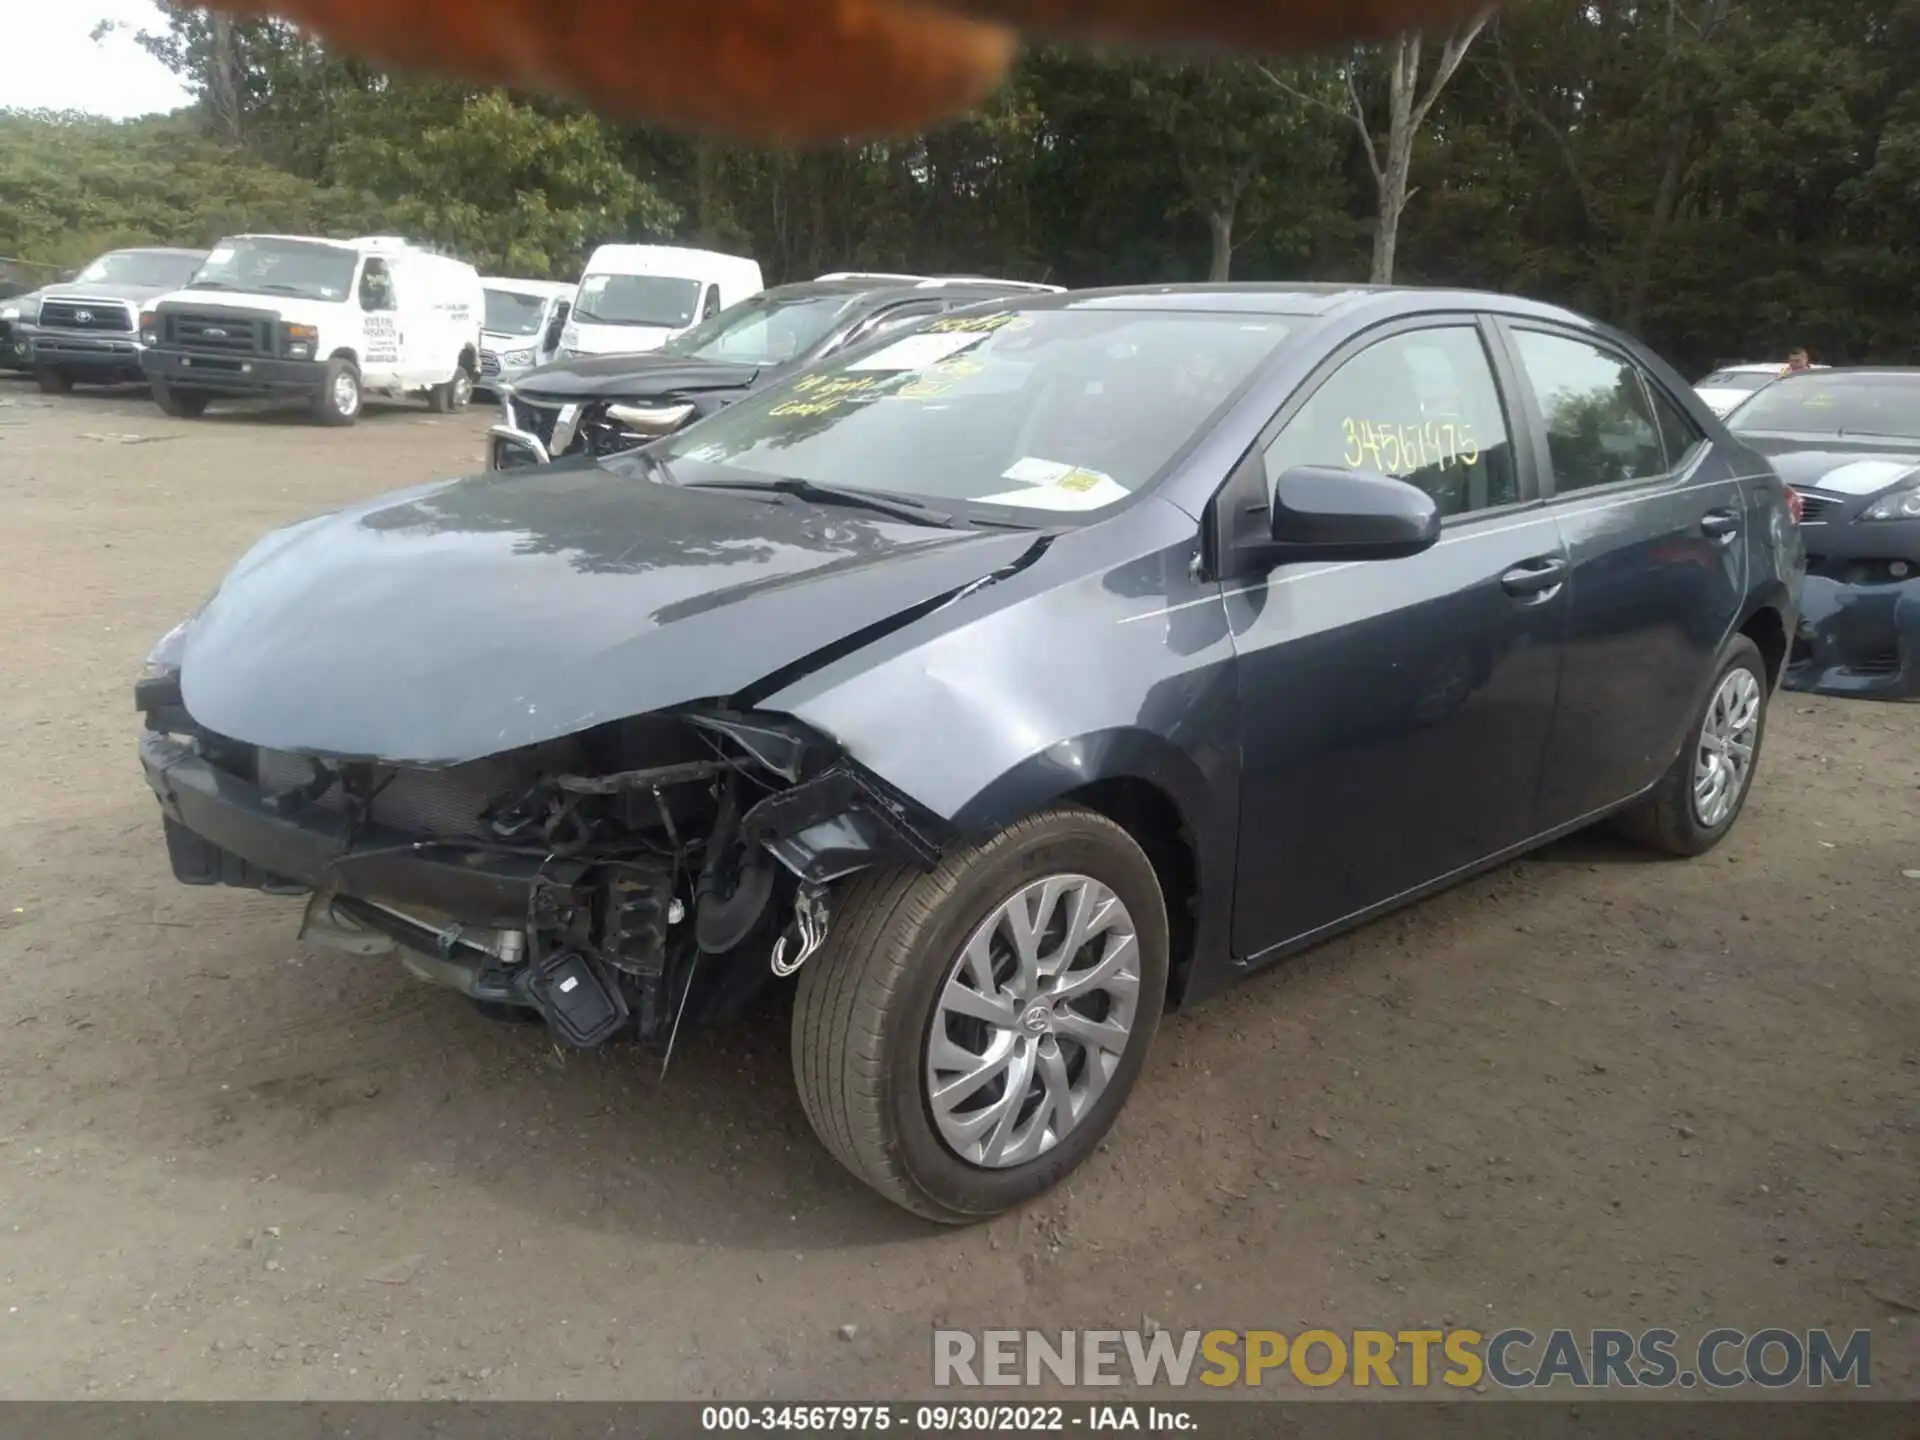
<point x="208" y="285"/>
<point x="900" y="508"/>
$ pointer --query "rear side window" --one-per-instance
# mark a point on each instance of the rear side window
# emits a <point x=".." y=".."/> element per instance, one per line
<point x="1601" y="428"/>
<point x="1678" y="434"/>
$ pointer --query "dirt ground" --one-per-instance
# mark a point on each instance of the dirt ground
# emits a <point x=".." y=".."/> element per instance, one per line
<point x="1589" y="1089"/>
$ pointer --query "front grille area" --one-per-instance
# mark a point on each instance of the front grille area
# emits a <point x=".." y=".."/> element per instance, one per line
<point x="1813" y="508"/>
<point x="537" y="418"/>
<point x="489" y="363"/>
<point x="213" y="333"/>
<point x="110" y="316"/>
<point x="446" y="803"/>
<point x="1875" y="663"/>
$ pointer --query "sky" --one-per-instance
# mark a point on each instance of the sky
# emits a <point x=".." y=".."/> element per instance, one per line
<point x="47" y="60"/>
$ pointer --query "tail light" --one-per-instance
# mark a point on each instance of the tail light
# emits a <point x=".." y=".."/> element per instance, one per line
<point x="1795" y="504"/>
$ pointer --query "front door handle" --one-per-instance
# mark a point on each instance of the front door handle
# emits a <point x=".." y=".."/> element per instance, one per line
<point x="1720" y="525"/>
<point x="1536" y="578"/>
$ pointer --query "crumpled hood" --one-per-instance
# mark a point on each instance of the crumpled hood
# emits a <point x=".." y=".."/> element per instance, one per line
<point x="469" y="617"/>
<point x="633" y="377"/>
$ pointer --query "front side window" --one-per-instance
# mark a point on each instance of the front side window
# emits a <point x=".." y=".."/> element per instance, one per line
<point x="1067" y="410"/>
<point x="376" y="287"/>
<point x="663" y="301"/>
<point x="140" y="267"/>
<point x="764" y="329"/>
<point x="1421" y="407"/>
<point x="1600" y="424"/>
<point x="306" y="268"/>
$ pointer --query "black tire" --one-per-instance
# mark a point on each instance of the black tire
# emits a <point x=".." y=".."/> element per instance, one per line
<point x="866" y="1002"/>
<point x="330" y="405"/>
<point x="452" y="396"/>
<point x="181" y="404"/>
<point x="1666" y="819"/>
<point x="53" y="382"/>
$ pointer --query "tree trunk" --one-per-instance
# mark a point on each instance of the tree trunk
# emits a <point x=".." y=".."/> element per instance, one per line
<point x="704" y="163"/>
<point x="1403" y="66"/>
<point x="223" y="79"/>
<point x="1220" y="227"/>
<point x="1666" y="198"/>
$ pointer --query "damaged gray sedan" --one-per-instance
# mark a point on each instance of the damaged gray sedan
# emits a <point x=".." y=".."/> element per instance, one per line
<point x="993" y="688"/>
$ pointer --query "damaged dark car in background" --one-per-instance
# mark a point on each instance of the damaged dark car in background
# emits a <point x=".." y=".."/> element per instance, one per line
<point x="1848" y="442"/>
<point x="993" y="687"/>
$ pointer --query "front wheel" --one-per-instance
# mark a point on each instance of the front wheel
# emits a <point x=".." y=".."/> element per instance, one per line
<point x="181" y="404"/>
<point x="965" y="1038"/>
<point x="450" y="397"/>
<point x="1701" y="795"/>
<point x="338" y="402"/>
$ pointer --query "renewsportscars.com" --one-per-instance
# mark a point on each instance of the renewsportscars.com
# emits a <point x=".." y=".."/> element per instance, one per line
<point x="1511" y="1359"/>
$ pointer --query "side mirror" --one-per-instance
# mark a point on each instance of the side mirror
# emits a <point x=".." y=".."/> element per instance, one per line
<point x="1325" y="513"/>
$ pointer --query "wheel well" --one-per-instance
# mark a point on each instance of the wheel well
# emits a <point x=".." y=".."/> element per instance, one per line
<point x="1147" y="814"/>
<point x="343" y="353"/>
<point x="1768" y="631"/>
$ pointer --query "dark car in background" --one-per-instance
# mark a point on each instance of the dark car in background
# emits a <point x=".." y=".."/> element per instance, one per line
<point x="1007" y="679"/>
<point x="87" y="330"/>
<point x="1848" y="441"/>
<point x="602" y="405"/>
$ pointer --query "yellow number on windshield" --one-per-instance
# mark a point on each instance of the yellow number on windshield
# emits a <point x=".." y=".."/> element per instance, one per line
<point x="1356" y="453"/>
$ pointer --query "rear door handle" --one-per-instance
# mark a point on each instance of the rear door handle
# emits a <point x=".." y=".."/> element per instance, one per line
<point x="1720" y="524"/>
<point x="1538" y="577"/>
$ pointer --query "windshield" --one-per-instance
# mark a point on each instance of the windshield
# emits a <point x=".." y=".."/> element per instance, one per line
<point x="1837" y="405"/>
<point x="1736" y="380"/>
<point x="763" y="330"/>
<point x="139" y="267"/>
<point x="663" y="300"/>
<point x="511" y="313"/>
<point x="1048" y="410"/>
<point x="280" y="267"/>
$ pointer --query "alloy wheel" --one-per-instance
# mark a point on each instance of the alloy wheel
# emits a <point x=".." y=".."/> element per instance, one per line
<point x="1032" y="1021"/>
<point x="1724" y="762"/>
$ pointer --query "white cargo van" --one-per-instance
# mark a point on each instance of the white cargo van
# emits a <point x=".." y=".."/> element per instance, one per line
<point x="634" y="297"/>
<point x="521" y="331"/>
<point x="329" y="321"/>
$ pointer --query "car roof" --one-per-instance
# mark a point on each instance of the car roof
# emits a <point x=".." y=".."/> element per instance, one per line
<point x="1316" y="299"/>
<point x="528" y="287"/>
<point x="903" y="287"/>
<point x="159" y="250"/>
<point x="1909" y="372"/>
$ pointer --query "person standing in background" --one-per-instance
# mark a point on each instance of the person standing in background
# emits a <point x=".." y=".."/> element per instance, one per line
<point x="1797" y="360"/>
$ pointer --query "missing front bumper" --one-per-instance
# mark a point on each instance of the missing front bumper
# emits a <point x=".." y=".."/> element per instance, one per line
<point x="1858" y="640"/>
